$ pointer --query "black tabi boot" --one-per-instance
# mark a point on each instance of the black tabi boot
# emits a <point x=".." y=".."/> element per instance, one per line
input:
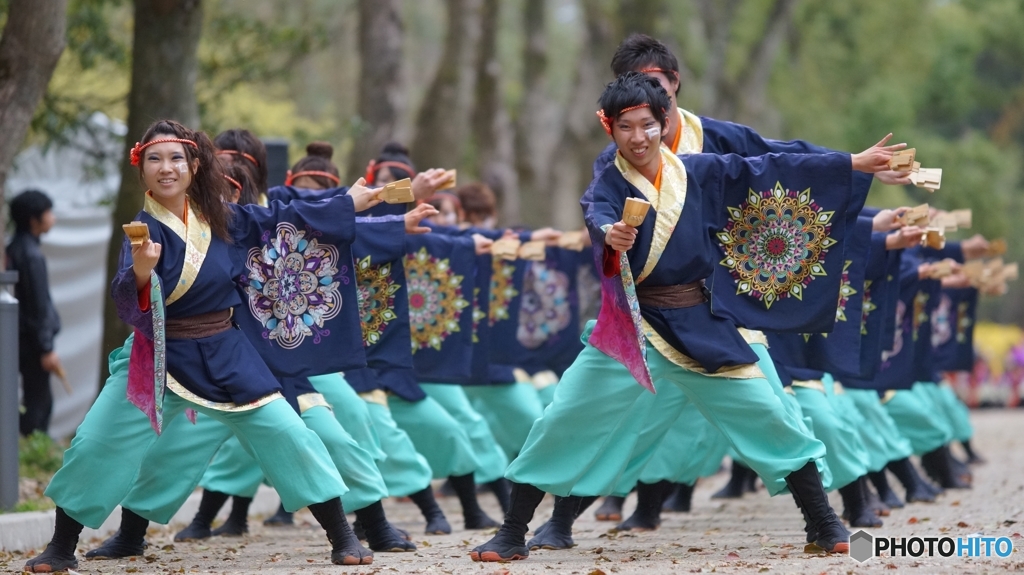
<point x="576" y="505"/>
<point x="345" y="548"/>
<point x="959" y="468"/>
<point x="280" y="519"/>
<point x="681" y="498"/>
<point x="649" y="499"/>
<point x="209" y="506"/>
<point x="750" y="486"/>
<point x="238" y="521"/>
<point x="500" y="488"/>
<point x="556" y="533"/>
<point x="939" y="466"/>
<point x="875" y="504"/>
<point x="465" y="488"/>
<point x="885" y="492"/>
<point x="917" y="488"/>
<point x="509" y="543"/>
<point x="972" y="456"/>
<point x="855" y="506"/>
<point x="437" y="523"/>
<point x="129" y="541"/>
<point x="830" y="534"/>
<point x="741" y="477"/>
<point x="610" y="509"/>
<point x="59" y="554"/>
<point x="381" y="535"/>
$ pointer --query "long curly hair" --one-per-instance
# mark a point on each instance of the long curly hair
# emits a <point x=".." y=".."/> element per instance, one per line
<point x="208" y="189"/>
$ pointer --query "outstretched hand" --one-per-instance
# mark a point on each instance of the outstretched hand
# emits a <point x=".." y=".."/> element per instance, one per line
<point x="482" y="243"/>
<point x="903" y="238"/>
<point x="887" y="220"/>
<point x="364" y="198"/>
<point x="424" y="184"/>
<point x="876" y="158"/>
<point x="416" y="215"/>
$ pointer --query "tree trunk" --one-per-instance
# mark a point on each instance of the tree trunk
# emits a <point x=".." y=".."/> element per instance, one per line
<point x="442" y="123"/>
<point x="30" y="47"/>
<point x="491" y="125"/>
<point x="539" y="123"/>
<point x="380" y="97"/>
<point x="583" y="138"/>
<point x="164" y="70"/>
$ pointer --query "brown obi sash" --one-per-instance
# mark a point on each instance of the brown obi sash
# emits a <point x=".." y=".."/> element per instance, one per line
<point x="671" y="297"/>
<point x="198" y="326"/>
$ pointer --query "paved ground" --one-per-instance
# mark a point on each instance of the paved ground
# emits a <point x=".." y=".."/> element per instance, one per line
<point x="755" y="535"/>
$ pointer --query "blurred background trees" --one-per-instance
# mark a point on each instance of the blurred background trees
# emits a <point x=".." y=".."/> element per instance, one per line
<point x="505" y="91"/>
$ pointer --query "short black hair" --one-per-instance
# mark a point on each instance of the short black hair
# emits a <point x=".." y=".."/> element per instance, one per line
<point x="635" y="89"/>
<point x="640" y="51"/>
<point x="27" y="206"/>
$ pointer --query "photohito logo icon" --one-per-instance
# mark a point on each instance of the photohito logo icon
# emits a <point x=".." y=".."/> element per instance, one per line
<point x="862" y="546"/>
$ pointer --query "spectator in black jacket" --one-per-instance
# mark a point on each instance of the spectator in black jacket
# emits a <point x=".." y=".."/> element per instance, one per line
<point x="38" y="323"/>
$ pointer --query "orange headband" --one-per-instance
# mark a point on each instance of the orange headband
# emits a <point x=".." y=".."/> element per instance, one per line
<point x="663" y="71"/>
<point x="373" y="167"/>
<point x="290" y="177"/>
<point x="237" y="153"/>
<point x="607" y="122"/>
<point x="234" y="182"/>
<point x="136" y="152"/>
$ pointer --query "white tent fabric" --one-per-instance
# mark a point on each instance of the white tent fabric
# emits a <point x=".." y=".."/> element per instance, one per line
<point x="76" y="258"/>
<point x="80" y="177"/>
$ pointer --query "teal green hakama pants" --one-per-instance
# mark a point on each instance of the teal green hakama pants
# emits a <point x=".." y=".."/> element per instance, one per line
<point x="235" y="472"/>
<point x="405" y="470"/>
<point x="436" y="434"/>
<point x="846" y="456"/>
<point x="919" y="419"/>
<point x="602" y="423"/>
<point x="109" y="448"/>
<point x="509" y="410"/>
<point x="694" y="448"/>
<point x="350" y="411"/>
<point x="954" y="411"/>
<point x="885" y="435"/>
<point x="491" y="459"/>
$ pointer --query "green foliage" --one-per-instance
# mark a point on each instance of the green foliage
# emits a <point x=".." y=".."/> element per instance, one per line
<point x="39" y="457"/>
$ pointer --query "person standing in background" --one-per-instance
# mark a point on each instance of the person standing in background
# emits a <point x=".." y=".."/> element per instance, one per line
<point x="38" y="322"/>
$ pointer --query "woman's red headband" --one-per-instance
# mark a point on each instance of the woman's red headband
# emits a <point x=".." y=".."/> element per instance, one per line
<point x="234" y="182"/>
<point x="237" y="153"/>
<point x="136" y="153"/>
<point x="374" y="166"/>
<point x="607" y="122"/>
<point x="290" y="177"/>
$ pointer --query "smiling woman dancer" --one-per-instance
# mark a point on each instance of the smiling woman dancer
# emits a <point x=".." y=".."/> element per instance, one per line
<point x="207" y="362"/>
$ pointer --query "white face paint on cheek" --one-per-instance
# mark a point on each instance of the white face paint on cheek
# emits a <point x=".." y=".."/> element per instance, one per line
<point x="652" y="133"/>
<point x="182" y="167"/>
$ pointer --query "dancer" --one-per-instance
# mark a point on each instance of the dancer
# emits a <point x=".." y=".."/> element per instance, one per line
<point x="186" y="216"/>
<point x="634" y="111"/>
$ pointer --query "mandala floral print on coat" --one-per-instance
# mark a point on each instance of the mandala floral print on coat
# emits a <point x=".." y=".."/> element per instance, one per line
<point x="435" y="299"/>
<point x="544" y="310"/>
<point x="867" y="307"/>
<point x="775" y="243"/>
<point x="846" y="291"/>
<point x="292" y="285"/>
<point x="376" y="290"/>
<point x="942" y="327"/>
<point x="963" y="321"/>
<point x="502" y="290"/>
<point x="920" y="316"/>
